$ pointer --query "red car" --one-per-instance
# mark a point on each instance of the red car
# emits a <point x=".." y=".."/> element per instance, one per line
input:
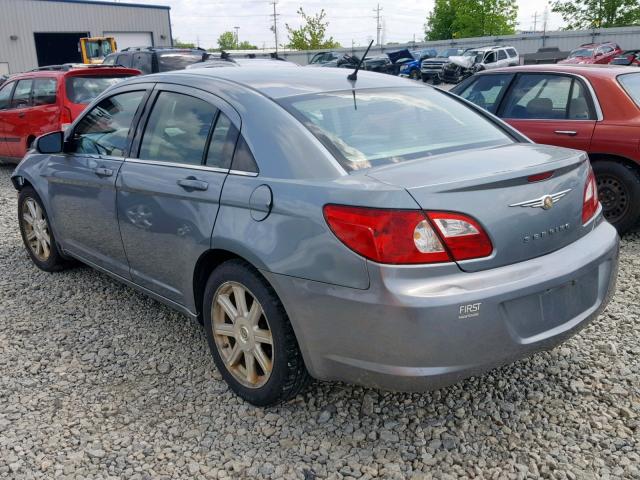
<point x="595" y="108"/>
<point x="46" y="100"/>
<point x="593" y="53"/>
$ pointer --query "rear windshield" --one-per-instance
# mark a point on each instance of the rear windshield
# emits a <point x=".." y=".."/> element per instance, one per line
<point x="83" y="89"/>
<point x="631" y="83"/>
<point x="581" y="52"/>
<point x="169" y="61"/>
<point x="376" y="127"/>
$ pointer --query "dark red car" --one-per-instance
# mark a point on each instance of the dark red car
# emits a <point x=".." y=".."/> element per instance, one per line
<point x="595" y="108"/>
<point x="628" y="57"/>
<point x="46" y="100"/>
<point x="593" y="53"/>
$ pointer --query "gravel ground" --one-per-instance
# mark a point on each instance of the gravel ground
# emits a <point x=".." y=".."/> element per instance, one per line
<point x="98" y="381"/>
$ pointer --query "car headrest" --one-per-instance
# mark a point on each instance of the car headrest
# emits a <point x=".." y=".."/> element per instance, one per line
<point x="579" y="109"/>
<point x="540" y="107"/>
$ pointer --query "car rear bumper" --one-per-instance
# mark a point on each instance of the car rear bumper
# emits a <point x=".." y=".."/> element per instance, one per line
<point x="413" y="331"/>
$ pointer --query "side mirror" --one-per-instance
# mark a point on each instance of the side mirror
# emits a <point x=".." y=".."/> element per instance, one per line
<point x="49" y="143"/>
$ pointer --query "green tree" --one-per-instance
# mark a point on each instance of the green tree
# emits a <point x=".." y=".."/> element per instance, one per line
<point x="471" y="18"/>
<point x="179" y="44"/>
<point x="311" y="34"/>
<point x="440" y="21"/>
<point x="584" y="14"/>
<point x="244" y="45"/>
<point x="227" y="41"/>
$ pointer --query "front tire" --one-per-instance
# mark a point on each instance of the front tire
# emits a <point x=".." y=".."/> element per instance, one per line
<point x="619" y="193"/>
<point x="250" y="337"/>
<point x="414" y="75"/>
<point x="36" y="232"/>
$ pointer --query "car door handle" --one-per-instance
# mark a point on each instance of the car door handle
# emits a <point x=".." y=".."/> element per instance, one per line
<point x="21" y="114"/>
<point x="570" y="133"/>
<point x="193" y="184"/>
<point x="103" y="172"/>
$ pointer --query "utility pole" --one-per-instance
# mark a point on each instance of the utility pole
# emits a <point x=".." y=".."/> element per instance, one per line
<point x="545" y="19"/>
<point x="378" y="24"/>
<point x="274" y="28"/>
<point x="237" y="41"/>
<point x="535" y="21"/>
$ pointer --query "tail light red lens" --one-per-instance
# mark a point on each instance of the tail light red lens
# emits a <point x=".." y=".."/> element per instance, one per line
<point x="407" y="236"/>
<point x="463" y="236"/>
<point x="590" y="199"/>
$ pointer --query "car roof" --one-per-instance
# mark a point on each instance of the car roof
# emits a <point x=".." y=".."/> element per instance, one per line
<point x="76" y="71"/>
<point x="286" y="82"/>
<point x="586" y="70"/>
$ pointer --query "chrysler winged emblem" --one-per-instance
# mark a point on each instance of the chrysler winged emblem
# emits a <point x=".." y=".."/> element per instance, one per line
<point x="545" y="201"/>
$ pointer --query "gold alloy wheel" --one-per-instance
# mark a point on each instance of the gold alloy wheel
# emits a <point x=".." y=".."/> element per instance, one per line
<point x="242" y="334"/>
<point x="36" y="229"/>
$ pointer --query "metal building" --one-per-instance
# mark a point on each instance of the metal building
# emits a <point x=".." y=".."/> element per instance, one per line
<point x="44" y="32"/>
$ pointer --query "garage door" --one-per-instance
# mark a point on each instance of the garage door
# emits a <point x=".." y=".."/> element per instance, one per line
<point x="131" y="39"/>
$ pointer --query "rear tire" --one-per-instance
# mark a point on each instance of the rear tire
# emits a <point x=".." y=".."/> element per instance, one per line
<point x="257" y="354"/>
<point x="36" y="232"/>
<point x="619" y="193"/>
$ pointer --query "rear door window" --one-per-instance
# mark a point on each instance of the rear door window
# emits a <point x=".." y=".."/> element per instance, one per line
<point x="143" y="62"/>
<point x="105" y="129"/>
<point x="177" y="129"/>
<point x="502" y="55"/>
<point x="222" y="144"/>
<point x="22" y="94"/>
<point x="168" y="61"/>
<point x="5" y="95"/>
<point x="536" y="96"/>
<point x="124" y="60"/>
<point x="44" y="91"/>
<point x="487" y="90"/>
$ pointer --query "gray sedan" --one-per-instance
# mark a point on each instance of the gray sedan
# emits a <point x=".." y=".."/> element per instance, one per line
<point x="372" y="231"/>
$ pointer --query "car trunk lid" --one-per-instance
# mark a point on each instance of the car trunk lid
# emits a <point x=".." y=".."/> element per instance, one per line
<point x="500" y="189"/>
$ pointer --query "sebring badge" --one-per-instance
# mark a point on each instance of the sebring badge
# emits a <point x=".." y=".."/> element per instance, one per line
<point x="546" y="201"/>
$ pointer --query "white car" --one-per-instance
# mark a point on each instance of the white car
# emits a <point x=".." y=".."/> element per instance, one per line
<point x="477" y="59"/>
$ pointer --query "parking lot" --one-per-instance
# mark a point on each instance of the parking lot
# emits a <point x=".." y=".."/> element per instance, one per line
<point x="100" y="381"/>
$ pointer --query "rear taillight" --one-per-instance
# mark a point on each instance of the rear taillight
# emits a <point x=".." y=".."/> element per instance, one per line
<point x="463" y="236"/>
<point x="407" y="236"/>
<point x="590" y="199"/>
<point x="65" y="118"/>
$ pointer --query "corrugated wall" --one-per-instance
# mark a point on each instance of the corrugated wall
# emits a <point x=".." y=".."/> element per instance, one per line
<point x="21" y="18"/>
<point x="627" y="37"/>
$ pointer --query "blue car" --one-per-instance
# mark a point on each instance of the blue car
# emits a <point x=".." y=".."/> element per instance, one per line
<point x="411" y="61"/>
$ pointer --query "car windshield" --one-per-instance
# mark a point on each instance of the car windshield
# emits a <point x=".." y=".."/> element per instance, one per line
<point x="631" y="83"/>
<point x="168" y="61"/>
<point x="581" y="52"/>
<point x="376" y="127"/>
<point x="83" y="89"/>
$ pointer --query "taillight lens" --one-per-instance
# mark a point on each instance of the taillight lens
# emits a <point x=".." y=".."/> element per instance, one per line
<point x="590" y="199"/>
<point x="463" y="236"/>
<point x="407" y="236"/>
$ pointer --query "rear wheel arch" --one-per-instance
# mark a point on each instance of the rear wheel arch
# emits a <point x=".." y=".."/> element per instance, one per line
<point x="620" y="194"/>
<point x="205" y="265"/>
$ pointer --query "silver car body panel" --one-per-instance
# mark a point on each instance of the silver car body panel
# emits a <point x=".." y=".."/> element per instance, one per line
<point x="399" y="327"/>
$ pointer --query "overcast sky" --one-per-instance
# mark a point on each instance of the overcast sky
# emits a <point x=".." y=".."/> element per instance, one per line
<point x="354" y="20"/>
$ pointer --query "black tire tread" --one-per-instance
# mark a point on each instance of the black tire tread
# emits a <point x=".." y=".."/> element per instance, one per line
<point x="631" y="176"/>
<point x="297" y="377"/>
<point x="56" y="261"/>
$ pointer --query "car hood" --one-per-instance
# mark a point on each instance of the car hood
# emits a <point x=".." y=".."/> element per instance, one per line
<point x="400" y="55"/>
<point x="464" y="62"/>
